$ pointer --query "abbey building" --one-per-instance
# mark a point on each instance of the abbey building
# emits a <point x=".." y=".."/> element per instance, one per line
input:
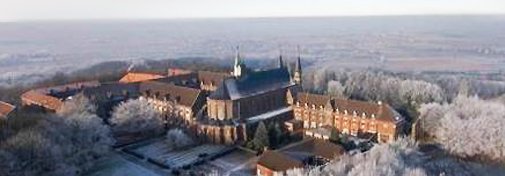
<point x="224" y="108"/>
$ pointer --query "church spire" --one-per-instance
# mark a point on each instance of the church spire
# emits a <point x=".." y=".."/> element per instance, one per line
<point x="237" y="57"/>
<point x="297" y="77"/>
<point x="238" y="67"/>
<point x="281" y="62"/>
<point x="298" y="62"/>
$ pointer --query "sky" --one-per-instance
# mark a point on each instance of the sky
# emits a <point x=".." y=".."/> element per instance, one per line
<point x="14" y="10"/>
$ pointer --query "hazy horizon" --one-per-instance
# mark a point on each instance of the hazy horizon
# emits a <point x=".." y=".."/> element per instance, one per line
<point x="34" y="49"/>
<point x="15" y="10"/>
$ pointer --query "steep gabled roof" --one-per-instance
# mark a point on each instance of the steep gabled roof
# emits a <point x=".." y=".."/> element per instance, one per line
<point x="278" y="162"/>
<point x="188" y="96"/>
<point x="6" y="109"/>
<point x="221" y="93"/>
<point x="131" y="77"/>
<point x="254" y="83"/>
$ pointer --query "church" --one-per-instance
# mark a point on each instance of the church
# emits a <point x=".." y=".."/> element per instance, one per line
<point x="245" y="98"/>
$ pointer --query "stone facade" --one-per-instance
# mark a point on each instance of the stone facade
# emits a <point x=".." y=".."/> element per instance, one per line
<point x="221" y="134"/>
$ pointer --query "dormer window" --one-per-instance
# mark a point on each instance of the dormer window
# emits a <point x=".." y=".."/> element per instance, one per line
<point x="354" y="113"/>
<point x="345" y="112"/>
<point x="363" y="115"/>
<point x="373" y="116"/>
<point x="313" y="106"/>
<point x="298" y="104"/>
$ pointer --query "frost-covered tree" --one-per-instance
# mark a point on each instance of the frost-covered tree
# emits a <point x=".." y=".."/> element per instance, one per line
<point x="420" y="92"/>
<point x="136" y="116"/>
<point x="336" y="89"/>
<point x="176" y="139"/>
<point x="67" y="143"/>
<point x="429" y="118"/>
<point x="29" y="153"/>
<point x="400" y="158"/>
<point x="468" y="127"/>
<point x="79" y="104"/>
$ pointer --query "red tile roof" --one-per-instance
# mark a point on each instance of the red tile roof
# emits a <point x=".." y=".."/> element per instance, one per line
<point x="317" y="147"/>
<point x="276" y="161"/>
<point x="188" y="96"/>
<point x="139" y="77"/>
<point x="5" y="109"/>
<point x="40" y="99"/>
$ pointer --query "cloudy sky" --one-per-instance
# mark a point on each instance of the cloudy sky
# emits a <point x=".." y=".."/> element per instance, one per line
<point x="12" y="10"/>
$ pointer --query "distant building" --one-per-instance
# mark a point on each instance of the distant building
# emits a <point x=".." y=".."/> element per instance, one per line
<point x="5" y="109"/>
<point x="348" y="116"/>
<point x="177" y="71"/>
